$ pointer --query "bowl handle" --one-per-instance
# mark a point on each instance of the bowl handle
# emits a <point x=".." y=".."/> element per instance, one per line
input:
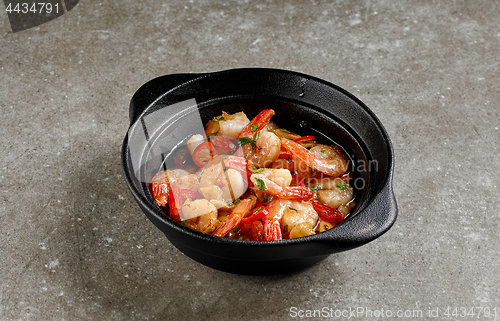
<point x="374" y="220"/>
<point x="152" y="90"/>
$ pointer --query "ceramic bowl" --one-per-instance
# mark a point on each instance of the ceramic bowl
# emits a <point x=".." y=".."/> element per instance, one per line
<point x="167" y="110"/>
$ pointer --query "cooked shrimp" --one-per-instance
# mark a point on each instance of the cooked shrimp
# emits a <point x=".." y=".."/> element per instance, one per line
<point x="260" y="147"/>
<point x="267" y="150"/>
<point x="236" y="182"/>
<point x="200" y="215"/>
<point x="221" y="186"/>
<point x="301" y="230"/>
<point x="160" y="184"/>
<point x="276" y="182"/>
<point x="334" y="191"/>
<point x="333" y="154"/>
<point x="326" y="159"/>
<point x="292" y="213"/>
<point x="283" y="163"/>
<point x="287" y="215"/>
<point x="227" y="125"/>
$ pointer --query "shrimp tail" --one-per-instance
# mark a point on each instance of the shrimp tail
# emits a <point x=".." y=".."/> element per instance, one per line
<point x="260" y="121"/>
<point x="308" y="158"/>
<point x="272" y="230"/>
<point x="289" y="193"/>
<point x="174" y="203"/>
<point x="241" y="210"/>
<point x="160" y="189"/>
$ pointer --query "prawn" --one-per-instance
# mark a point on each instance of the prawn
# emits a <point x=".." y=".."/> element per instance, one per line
<point x="200" y="215"/>
<point x="221" y="185"/>
<point x="334" y="192"/>
<point x="259" y="146"/>
<point x="227" y="125"/>
<point x="276" y="182"/>
<point x="295" y="217"/>
<point x="160" y="184"/>
<point x="326" y="159"/>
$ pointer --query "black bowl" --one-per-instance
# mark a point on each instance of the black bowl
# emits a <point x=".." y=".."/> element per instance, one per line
<point x="166" y="110"/>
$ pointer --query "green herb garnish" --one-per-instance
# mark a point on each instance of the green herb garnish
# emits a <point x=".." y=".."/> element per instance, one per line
<point x="212" y="135"/>
<point x="266" y="198"/>
<point x="254" y="127"/>
<point x="314" y="172"/>
<point x="219" y="119"/>
<point x="323" y="150"/>
<point x="236" y="201"/>
<point x="256" y="136"/>
<point x="293" y="209"/>
<point x="342" y="185"/>
<point x="316" y="187"/>
<point x="257" y="209"/>
<point x="246" y="140"/>
<point x="260" y="184"/>
<point x="183" y="221"/>
<point x="259" y="170"/>
<point x="235" y="229"/>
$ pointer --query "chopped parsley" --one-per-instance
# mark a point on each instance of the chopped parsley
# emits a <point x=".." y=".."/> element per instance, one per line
<point x="260" y="184"/>
<point x="314" y="172"/>
<point x="247" y="140"/>
<point x="218" y="119"/>
<point x="256" y="136"/>
<point x="266" y="198"/>
<point x="235" y="229"/>
<point x="183" y="221"/>
<point x="212" y="135"/>
<point x="316" y="187"/>
<point x="342" y="185"/>
<point x="257" y="209"/>
<point x="260" y="170"/>
<point x="293" y="209"/>
<point x="254" y="127"/>
<point x="236" y="201"/>
<point x="323" y="150"/>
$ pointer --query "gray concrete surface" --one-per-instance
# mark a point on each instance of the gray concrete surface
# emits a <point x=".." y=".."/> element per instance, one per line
<point x="75" y="246"/>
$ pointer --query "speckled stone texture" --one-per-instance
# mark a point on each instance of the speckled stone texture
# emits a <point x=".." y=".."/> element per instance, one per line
<point x="74" y="244"/>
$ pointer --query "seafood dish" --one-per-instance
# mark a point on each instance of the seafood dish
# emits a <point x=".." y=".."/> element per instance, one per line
<point x="253" y="180"/>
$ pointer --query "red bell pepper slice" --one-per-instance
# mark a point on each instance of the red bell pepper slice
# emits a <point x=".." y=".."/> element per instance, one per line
<point x="259" y="213"/>
<point x="310" y="137"/>
<point x="328" y="213"/>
